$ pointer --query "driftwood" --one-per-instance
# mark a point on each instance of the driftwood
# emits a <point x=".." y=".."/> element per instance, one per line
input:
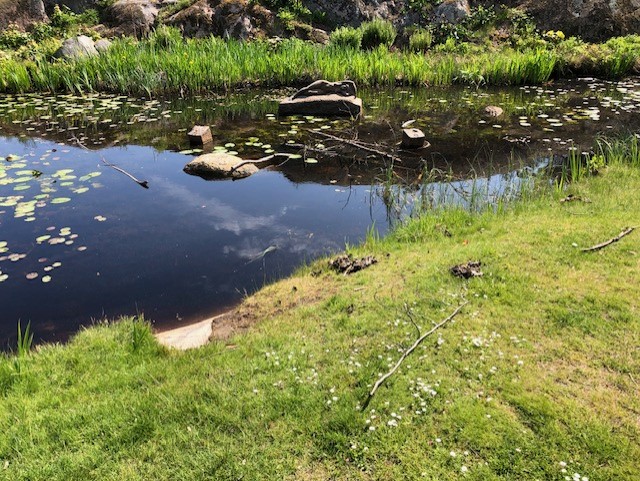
<point x="386" y="376"/>
<point x="604" y="244"/>
<point x="358" y="145"/>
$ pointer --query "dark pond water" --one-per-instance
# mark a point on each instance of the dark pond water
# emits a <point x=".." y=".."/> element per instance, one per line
<point x="80" y="241"/>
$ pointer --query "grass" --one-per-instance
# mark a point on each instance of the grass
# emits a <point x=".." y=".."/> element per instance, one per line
<point x="151" y="67"/>
<point x="538" y="374"/>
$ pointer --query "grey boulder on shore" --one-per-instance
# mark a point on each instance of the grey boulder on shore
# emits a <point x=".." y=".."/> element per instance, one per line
<point x="76" y="47"/>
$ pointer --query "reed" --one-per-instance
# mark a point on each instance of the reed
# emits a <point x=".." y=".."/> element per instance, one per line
<point x="165" y="64"/>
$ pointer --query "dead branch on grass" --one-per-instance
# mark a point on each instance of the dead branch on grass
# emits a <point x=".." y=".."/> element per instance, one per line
<point x="604" y="244"/>
<point x="413" y="347"/>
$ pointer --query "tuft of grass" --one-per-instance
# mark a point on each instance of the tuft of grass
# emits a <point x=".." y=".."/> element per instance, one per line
<point x="377" y="33"/>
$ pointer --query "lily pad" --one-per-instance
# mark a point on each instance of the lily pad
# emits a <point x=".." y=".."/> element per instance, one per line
<point x="60" y="200"/>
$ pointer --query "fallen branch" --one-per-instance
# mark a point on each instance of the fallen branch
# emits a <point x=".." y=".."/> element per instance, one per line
<point x="358" y="145"/>
<point x="604" y="244"/>
<point x="268" y="158"/>
<point x="142" y="183"/>
<point x="409" y="351"/>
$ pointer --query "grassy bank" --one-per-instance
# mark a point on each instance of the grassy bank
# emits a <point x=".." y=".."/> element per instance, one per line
<point x="537" y="378"/>
<point x="164" y="64"/>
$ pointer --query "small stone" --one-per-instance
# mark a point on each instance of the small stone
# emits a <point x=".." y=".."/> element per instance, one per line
<point x="200" y="135"/>
<point x="412" y="138"/>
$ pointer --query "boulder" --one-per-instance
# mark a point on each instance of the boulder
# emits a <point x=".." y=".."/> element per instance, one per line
<point x="452" y="11"/>
<point x="219" y="166"/>
<point x="240" y="19"/>
<point x="102" y="45"/>
<point x="323" y="98"/>
<point x="77" y="47"/>
<point x="133" y="17"/>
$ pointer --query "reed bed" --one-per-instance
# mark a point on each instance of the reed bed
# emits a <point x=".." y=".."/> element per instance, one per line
<point x="201" y="65"/>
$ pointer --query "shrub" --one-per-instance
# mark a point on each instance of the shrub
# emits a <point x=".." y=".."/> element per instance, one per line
<point x="13" y="38"/>
<point x="421" y="40"/>
<point x="347" y="37"/>
<point x="377" y="32"/>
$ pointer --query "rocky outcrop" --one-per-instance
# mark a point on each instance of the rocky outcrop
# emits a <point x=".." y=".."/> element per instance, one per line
<point x="452" y="11"/>
<point x="21" y="13"/>
<point x="133" y="17"/>
<point x="354" y="12"/>
<point x="590" y="19"/>
<point x="240" y="19"/>
<point x="77" y="47"/>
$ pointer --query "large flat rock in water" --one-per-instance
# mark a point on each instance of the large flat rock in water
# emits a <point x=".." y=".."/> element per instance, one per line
<point x="331" y="104"/>
<point x="219" y="166"/>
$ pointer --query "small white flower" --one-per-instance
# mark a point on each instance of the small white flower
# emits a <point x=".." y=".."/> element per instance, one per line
<point x="452" y="454"/>
<point x="438" y="440"/>
<point x="464" y="469"/>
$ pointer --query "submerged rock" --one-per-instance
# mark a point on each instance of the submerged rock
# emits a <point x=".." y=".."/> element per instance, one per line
<point x="323" y="98"/>
<point x="76" y="47"/>
<point x="219" y="166"/>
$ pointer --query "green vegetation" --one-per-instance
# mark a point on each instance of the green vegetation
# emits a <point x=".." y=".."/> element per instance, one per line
<point x="535" y="379"/>
<point x="198" y="65"/>
<point x="377" y="33"/>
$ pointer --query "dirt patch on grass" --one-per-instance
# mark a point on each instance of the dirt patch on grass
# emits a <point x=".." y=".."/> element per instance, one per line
<point x="272" y="301"/>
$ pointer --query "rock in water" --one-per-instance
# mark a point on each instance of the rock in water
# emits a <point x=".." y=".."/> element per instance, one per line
<point x="219" y="166"/>
<point x="492" y="111"/>
<point x="412" y="138"/>
<point x="200" y="135"/>
<point x="323" y="98"/>
<point x="77" y="47"/>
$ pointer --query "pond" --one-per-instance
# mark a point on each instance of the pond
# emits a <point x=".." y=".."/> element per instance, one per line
<point x="81" y="242"/>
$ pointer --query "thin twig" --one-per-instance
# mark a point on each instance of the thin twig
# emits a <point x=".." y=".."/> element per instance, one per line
<point x="141" y="183"/>
<point x="358" y="145"/>
<point x="604" y="244"/>
<point x="409" y="351"/>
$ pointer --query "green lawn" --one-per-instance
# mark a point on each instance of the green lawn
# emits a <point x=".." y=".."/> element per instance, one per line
<point x="538" y="374"/>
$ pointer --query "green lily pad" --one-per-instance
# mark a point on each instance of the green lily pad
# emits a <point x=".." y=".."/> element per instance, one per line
<point x="60" y="200"/>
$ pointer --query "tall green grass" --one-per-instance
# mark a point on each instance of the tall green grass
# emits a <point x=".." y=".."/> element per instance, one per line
<point x="169" y="66"/>
<point x="214" y="64"/>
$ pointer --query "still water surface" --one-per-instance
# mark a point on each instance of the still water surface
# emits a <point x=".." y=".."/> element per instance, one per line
<point x="80" y="242"/>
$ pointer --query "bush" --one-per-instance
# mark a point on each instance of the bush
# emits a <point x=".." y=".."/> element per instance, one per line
<point x="347" y="37"/>
<point x="377" y="32"/>
<point x="13" y="38"/>
<point x="421" y="40"/>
